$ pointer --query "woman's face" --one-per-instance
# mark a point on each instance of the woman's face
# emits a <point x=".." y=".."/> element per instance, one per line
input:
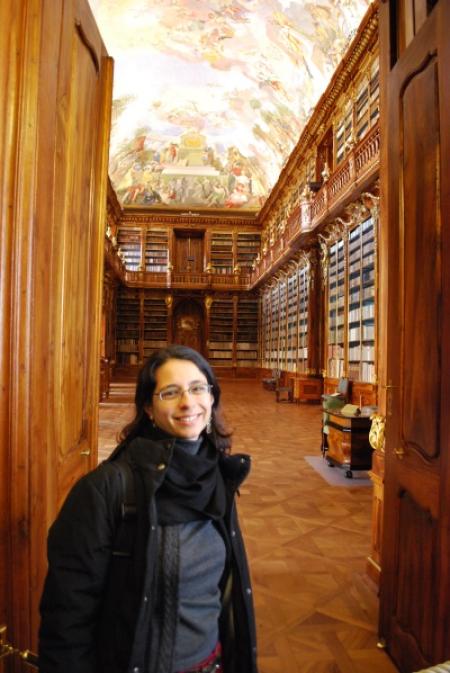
<point x="186" y="415"/>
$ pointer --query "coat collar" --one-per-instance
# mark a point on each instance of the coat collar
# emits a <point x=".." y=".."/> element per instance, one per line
<point x="156" y="454"/>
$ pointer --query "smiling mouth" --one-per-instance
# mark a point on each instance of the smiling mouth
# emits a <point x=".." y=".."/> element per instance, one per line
<point x="187" y="419"/>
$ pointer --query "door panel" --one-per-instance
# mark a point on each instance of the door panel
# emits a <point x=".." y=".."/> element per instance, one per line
<point x="414" y="609"/>
<point x="421" y="236"/>
<point x="188" y="252"/>
<point x="57" y="123"/>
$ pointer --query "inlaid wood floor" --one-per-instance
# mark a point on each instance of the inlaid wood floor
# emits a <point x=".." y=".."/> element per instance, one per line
<point x="307" y="541"/>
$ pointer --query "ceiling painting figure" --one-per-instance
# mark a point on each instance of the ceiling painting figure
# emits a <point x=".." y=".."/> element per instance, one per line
<point x="210" y="98"/>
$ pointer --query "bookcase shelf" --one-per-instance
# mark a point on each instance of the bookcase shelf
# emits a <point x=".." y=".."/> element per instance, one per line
<point x="129" y="240"/>
<point x="141" y="325"/>
<point x="351" y="312"/>
<point x="336" y="306"/>
<point x="247" y="248"/>
<point x="292" y="298"/>
<point x="285" y="323"/>
<point x="361" y="303"/>
<point x="221" y="259"/>
<point x="156" y="251"/>
<point x="282" y="312"/>
<point x="303" y="319"/>
<point x="128" y="326"/>
<point x="247" y="332"/>
<point x="220" y="345"/>
<point x="154" y="324"/>
<point x="274" y="327"/>
<point x="367" y="108"/>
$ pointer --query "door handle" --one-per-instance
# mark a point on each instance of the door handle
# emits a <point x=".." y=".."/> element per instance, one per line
<point x="6" y="650"/>
<point x="400" y="453"/>
<point x="86" y="452"/>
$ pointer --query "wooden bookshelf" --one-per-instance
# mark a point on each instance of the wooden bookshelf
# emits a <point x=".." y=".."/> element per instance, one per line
<point x="128" y="326"/>
<point x="292" y="299"/>
<point x="247" y="248"/>
<point x="156" y="251"/>
<point x="274" y="326"/>
<point x="221" y="255"/>
<point x="303" y="319"/>
<point x="335" y="357"/>
<point x="247" y="331"/>
<point x="129" y="240"/>
<point x="367" y="105"/>
<point x="282" y="328"/>
<point x="220" y="346"/>
<point x="343" y="134"/>
<point x="265" y="330"/>
<point x="361" y="302"/>
<point x="154" y="324"/>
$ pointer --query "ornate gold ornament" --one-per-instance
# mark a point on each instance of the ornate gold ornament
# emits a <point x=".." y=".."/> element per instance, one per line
<point x="376" y="433"/>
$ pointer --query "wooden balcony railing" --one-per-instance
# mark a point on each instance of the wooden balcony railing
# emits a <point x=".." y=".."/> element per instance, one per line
<point x="192" y="279"/>
<point x="360" y="162"/>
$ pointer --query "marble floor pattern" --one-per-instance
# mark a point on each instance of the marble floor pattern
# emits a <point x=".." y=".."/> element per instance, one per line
<point x="307" y="541"/>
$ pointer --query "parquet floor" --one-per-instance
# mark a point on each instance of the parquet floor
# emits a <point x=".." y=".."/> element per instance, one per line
<point x="307" y="541"/>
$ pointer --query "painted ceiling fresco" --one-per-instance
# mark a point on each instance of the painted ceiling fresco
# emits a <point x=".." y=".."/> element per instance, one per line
<point x="210" y="97"/>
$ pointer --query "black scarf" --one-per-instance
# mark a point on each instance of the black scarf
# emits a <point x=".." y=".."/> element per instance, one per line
<point x="193" y="487"/>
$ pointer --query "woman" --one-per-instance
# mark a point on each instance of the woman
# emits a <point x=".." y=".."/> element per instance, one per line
<point x="159" y="584"/>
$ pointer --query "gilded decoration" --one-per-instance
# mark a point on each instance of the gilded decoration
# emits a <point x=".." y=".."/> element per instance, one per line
<point x="376" y="433"/>
<point x="210" y="100"/>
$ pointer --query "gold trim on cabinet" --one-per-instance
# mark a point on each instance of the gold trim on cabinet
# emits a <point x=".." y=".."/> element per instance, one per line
<point x="376" y="432"/>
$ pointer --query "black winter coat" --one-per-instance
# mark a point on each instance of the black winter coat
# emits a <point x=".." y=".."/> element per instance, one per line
<point x="96" y="607"/>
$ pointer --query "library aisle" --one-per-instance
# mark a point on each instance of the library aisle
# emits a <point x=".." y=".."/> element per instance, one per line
<point x="307" y="541"/>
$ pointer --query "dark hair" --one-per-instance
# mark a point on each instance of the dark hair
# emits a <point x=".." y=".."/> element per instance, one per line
<point x="146" y="384"/>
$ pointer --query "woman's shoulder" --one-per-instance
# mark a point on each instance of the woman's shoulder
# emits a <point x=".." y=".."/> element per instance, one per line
<point x="103" y="481"/>
<point x="235" y="467"/>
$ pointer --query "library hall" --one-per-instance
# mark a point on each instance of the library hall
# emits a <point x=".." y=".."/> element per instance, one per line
<point x="225" y="336"/>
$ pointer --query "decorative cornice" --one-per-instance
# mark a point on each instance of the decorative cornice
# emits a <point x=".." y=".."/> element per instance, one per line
<point x="139" y="217"/>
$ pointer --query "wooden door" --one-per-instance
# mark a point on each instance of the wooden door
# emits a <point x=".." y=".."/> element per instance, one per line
<point x="415" y="369"/>
<point x="188" y="325"/>
<point x="54" y="128"/>
<point x="189" y="251"/>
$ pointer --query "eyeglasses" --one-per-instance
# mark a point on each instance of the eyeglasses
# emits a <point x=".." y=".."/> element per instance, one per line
<point x="175" y="392"/>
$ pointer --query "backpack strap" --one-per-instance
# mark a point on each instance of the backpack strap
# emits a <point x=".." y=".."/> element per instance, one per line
<point x="126" y="525"/>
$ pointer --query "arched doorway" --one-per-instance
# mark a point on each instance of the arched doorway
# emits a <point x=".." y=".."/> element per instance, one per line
<point x="188" y="324"/>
